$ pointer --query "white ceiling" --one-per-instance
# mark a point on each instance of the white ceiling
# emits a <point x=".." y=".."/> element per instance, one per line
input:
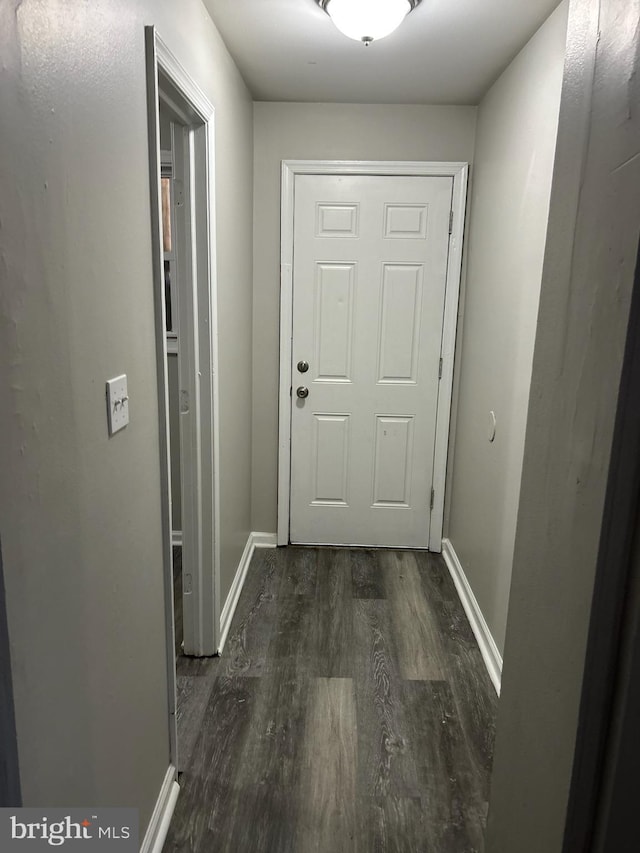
<point x="445" y="52"/>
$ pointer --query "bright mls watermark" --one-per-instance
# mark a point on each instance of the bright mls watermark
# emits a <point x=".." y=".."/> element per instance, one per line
<point x="102" y="830"/>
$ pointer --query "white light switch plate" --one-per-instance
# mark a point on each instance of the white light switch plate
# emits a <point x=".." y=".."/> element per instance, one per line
<point x="117" y="403"/>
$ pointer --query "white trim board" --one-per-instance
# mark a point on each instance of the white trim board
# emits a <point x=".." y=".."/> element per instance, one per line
<point x="290" y="168"/>
<point x="163" y="73"/>
<point x="254" y="540"/>
<point x="490" y="654"/>
<point x="168" y="80"/>
<point x="156" y="833"/>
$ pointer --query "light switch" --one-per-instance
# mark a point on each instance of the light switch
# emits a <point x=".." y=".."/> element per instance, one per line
<point x="117" y="403"/>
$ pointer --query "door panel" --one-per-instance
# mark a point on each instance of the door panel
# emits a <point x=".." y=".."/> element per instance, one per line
<point x="369" y="274"/>
<point x="394" y="454"/>
<point x="405" y="221"/>
<point x="333" y="310"/>
<point x="331" y="454"/>
<point x="401" y="315"/>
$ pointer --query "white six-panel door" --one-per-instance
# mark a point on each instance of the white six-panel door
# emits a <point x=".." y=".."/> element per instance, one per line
<point x="369" y="276"/>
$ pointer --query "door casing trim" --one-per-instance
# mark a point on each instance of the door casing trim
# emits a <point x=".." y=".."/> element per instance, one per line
<point x="203" y="285"/>
<point x="459" y="171"/>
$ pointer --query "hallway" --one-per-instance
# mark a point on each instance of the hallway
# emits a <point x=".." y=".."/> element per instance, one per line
<point x="351" y="711"/>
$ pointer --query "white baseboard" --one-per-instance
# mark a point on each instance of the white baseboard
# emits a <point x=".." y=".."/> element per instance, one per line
<point x="176" y="538"/>
<point x="490" y="654"/>
<point x="254" y="540"/>
<point x="264" y="540"/>
<point x="156" y="833"/>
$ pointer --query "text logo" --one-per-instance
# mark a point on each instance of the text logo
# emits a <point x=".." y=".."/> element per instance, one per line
<point x="74" y="829"/>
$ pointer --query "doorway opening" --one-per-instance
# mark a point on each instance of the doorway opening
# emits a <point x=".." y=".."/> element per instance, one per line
<point x="181" y="149"/>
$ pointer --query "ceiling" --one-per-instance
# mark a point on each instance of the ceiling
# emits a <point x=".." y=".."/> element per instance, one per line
<point x="445" y="52"/>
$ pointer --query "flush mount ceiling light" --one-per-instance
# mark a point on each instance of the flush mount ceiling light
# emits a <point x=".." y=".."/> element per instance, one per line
<point x="367" y="20"/>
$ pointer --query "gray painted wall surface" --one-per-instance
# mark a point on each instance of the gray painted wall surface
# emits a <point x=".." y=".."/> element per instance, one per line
<point x="79" y="512"/>
<point x="165" y="130"/>
<point x="172" y="380"/>
<point x="515" y="147"/>
<point x="9" y="769"/>
<point x="592" y="243"/>
<point x="174" y="432"/>
<point x="332" y="132"/>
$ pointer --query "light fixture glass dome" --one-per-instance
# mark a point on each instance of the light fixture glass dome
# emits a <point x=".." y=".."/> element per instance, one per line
<point x="366" y="20"/>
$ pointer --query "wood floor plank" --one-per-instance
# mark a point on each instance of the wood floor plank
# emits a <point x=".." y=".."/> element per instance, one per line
<point x="392" y="825"/>
<point x="452" y="791"/>
<point x="269" y="764"/>
<point x="435" y="577"/>
<point x="474" y="695"/>
<point x="271" y="753"/>
<point x="207" y="799"/>
<point x="293" y="646"/>
<point x="327" y="812"/>
<point x="265" y="822"/>
<point x="366" y="576"/>
<point x="414" y="624"/>
<point x="299" y="572"/>
<point x="190" y="667"/>
<point x="385" y="764"/>
<point x="334" y="623"/>
<point x="254" y="620"/>
<point x="193" y="694"/>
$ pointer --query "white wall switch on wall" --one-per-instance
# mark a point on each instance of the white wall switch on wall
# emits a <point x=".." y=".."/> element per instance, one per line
<point x="117" y="403"/>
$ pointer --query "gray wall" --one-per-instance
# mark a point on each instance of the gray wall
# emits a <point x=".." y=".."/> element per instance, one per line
<point x="9" y="769"/>
<point x="515" y="146"/>
<point x="165" y="130"/>
<point x="172" y="381"/>
<point x="79" y="512"/>
<point x="592" y="244"/>
<point x="174" y="434"/>
<point x="332" y="132"/>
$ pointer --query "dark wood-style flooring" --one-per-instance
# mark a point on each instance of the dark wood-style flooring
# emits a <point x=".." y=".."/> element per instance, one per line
<point x="350" y="713"/>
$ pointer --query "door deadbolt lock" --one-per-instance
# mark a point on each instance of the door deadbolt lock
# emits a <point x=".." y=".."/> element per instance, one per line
<point x="303" y="366"/>
<point x="302" y="392"/>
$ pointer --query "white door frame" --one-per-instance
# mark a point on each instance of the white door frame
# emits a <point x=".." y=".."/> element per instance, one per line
<point x="203" y="478"/>
<point x="291" y="168"/>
